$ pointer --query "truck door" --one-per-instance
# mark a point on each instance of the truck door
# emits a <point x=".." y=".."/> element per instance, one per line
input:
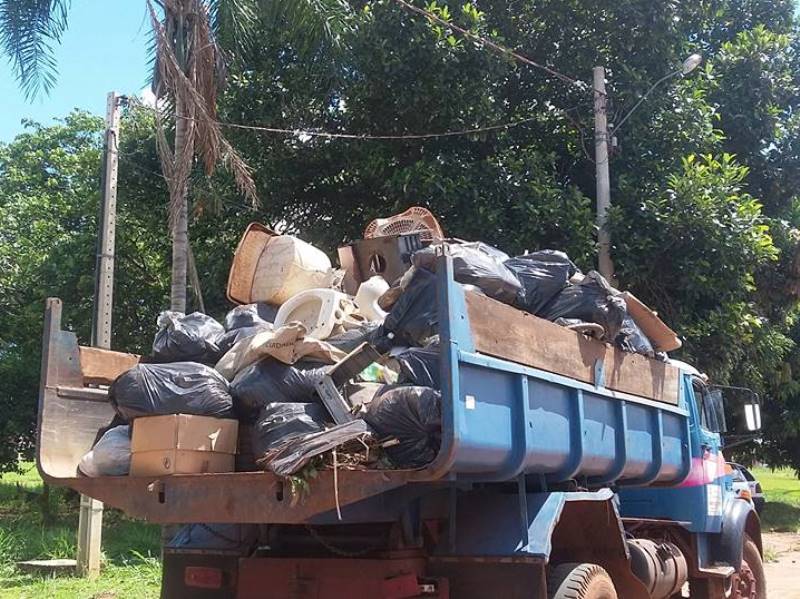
<point x="708" y="476"/>
<point x="699" y="499"/>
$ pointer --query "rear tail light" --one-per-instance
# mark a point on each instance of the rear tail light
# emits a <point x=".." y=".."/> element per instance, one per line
<point x="203" y="578"/>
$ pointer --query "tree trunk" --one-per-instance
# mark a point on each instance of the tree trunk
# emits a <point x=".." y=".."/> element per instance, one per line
<point x="180" y="226"/>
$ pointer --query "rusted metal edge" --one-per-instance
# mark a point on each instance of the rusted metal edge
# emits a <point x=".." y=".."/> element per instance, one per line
<point x="233" y="497"/>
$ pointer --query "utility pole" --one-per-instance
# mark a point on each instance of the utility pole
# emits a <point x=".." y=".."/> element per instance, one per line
<point x="90" y="521"/>
<point x="104" y="265"/>
<point x="601" y="138"/>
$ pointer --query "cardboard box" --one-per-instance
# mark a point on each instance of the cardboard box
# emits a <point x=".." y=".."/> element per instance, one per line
<point x="182" y="444"/>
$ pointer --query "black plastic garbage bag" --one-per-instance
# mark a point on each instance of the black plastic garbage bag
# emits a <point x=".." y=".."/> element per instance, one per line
<point x="250" y="315"/>
<point x="632" y="339"/>
<point x="279" y="422"/>
<point x="590" y="329"/>
<point x="187" y="338"/>
<point x="350" y="340"/>
<point x="543" y="275"/>
<point x="413" y="416"/>
<point x="294" y="453"/>
<point x="177" y="388"/>
<point x="414" y="318"/>
<point x="591" y="300"/>
<point x="229" y="339"/>
<point x="270" y="381"/>
<point x="476" y="264"/>
<point x="419" y="366"/>
<point x="241" y="538"/>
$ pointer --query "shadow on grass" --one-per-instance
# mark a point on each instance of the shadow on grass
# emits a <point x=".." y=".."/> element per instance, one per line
<point x="780" y="517"/>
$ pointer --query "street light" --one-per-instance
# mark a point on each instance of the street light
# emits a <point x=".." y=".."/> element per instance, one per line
<point x="605" y="265"/>
<point x="689" y="65"/>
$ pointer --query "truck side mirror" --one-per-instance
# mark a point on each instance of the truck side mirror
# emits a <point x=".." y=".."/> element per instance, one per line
<point x="741" y="411"/>
<point x="752" y="416"/>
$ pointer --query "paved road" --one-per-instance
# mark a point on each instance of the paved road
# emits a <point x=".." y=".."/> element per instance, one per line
<point x="783" y="569"/>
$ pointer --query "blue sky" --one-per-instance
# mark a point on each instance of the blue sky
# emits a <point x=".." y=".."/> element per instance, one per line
<point x="104" y="49"/>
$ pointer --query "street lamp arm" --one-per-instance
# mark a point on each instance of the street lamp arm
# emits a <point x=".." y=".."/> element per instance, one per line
<point x="644" y="97"/>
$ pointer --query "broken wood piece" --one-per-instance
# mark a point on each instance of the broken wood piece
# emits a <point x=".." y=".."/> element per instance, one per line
<point x="660" y="335"/>
<point x="504" y="332"/>
<point x="103" y="366"/>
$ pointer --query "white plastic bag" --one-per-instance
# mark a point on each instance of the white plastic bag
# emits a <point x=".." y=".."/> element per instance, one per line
<point x="111" y="455"/>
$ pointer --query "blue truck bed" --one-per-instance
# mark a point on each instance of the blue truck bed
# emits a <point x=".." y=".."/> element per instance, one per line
<point x="501" y="418"/>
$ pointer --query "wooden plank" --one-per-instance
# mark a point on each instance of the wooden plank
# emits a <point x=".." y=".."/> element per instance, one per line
<point x="505" y="332"/>
<point x="103" y="366"/>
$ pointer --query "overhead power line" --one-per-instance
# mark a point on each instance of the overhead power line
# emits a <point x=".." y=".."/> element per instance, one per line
<point x="366" y="136"/>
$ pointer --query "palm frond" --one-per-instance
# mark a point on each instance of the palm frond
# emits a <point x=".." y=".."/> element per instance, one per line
<point x="320" y="24"/>
<point x="28" y="31"/>
<point x="235" y="21"/>
<point x="192" y="86"/>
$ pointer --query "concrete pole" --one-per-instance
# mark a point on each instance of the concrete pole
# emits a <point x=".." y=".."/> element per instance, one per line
<point x="90" y="519"/>
<point x="104" y="267"/>
<point x="601" y="138"/>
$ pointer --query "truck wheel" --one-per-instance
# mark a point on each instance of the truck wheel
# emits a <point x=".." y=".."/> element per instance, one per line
<point x="749" y="582"/>
<point x="580" y="581"/>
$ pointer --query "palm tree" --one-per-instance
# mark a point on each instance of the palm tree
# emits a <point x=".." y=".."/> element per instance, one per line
<point x="28" y="31"/>
<point x="189" y="72"/>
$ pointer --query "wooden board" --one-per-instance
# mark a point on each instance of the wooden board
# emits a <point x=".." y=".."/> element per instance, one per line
<point x="103" y="366"/>
<point x="505" y="332"/>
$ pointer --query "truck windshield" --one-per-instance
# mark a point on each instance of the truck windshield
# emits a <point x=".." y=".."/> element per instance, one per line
<point x="710" y="405"/>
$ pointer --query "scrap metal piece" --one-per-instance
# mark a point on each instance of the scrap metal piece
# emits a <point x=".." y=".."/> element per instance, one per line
<point x="350" y="367"/>
<point x="335" y="403"/>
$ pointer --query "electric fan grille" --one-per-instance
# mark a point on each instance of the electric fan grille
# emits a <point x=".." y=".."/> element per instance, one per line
<point x="414" y="220"/>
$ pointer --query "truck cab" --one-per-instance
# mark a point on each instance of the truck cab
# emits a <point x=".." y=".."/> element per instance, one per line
<point x="567" y="469"/>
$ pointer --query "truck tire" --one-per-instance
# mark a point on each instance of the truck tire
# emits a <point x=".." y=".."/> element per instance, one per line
<point x="580" y="581"/>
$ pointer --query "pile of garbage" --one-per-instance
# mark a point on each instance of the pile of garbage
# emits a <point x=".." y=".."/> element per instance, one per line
<point x="341" y="365"/>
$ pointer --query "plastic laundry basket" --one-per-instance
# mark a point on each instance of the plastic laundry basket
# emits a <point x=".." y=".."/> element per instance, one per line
<point x="272" y="268"/>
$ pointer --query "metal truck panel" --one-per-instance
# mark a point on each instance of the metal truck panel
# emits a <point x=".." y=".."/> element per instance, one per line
<point x="502" y="419"/>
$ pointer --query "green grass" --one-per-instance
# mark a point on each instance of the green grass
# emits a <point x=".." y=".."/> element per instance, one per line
<point x="35" y="525"/>
<point x="782" y="490"/>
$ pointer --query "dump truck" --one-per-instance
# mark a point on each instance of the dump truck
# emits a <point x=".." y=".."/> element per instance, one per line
<point x="567" y="469"/>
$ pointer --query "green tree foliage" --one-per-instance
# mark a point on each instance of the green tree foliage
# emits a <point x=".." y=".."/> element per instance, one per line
<point x="49" y="193"/>
<point x="28" y="31"/>
<point x="703" y="179"/>
<point x="693" y="251"/>
<point x="47" y="183"/>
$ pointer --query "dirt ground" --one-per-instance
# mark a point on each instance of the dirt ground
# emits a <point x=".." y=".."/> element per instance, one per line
<point x="782" y="551"/>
